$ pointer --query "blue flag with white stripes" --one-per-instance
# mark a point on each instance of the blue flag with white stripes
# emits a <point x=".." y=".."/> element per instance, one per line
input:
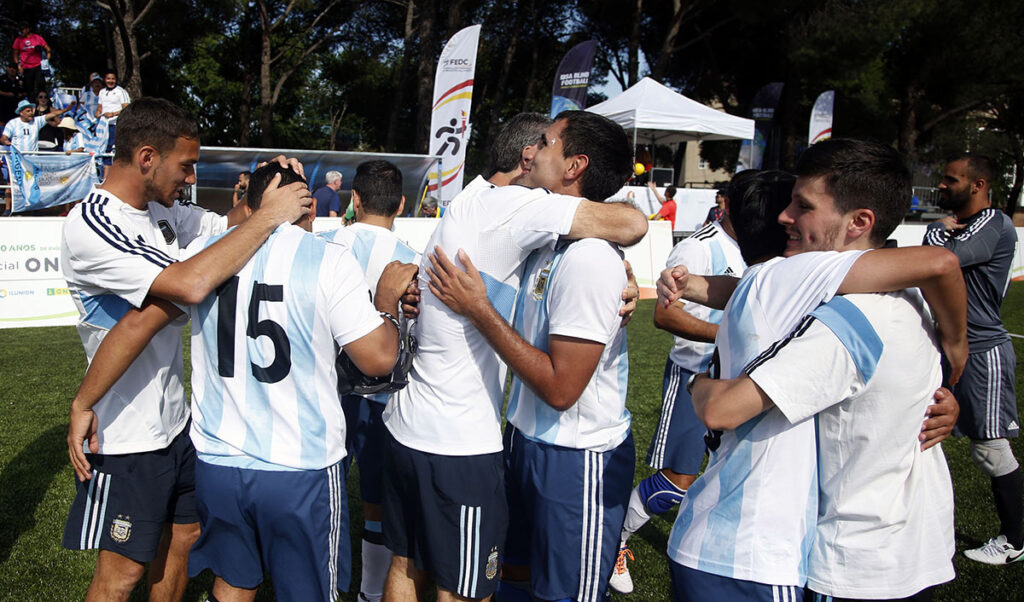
<point x="49" y="180"/>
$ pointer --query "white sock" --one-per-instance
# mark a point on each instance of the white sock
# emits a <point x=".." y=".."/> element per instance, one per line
<point x="636" y="516"/>
<point x="376" y="562"/>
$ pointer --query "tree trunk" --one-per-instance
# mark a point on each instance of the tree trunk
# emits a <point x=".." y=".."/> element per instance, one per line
<point x="266" y="94"/>
<point x="531" y="82"/>
<point x="634" y="43"/>
<point x="126" y="47"/>
<point x="908" y="132"/>
<point x="245" y="109"/>
<point x="404" y="74"/>
<point x="661" y="65"/>
<point x="425" y="74"/>
<point x="506" y="66"/>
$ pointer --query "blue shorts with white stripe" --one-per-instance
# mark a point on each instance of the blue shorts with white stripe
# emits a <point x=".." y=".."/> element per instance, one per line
<point x="691" y="585"/>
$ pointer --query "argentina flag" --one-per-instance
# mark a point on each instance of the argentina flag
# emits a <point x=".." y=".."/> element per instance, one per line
<point x="49" y="180"/>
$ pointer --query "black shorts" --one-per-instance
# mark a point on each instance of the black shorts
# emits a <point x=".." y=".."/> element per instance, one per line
<point x="448" y="514"/>
<point x="124" y="506"/>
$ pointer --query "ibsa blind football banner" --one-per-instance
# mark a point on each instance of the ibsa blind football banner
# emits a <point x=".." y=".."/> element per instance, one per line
<point x="569" y="90"/>
<point x="449" y="120"/>
<point x="762" y="111"/>
<point x="821" y="118"/>
<point x="48" y="180"/>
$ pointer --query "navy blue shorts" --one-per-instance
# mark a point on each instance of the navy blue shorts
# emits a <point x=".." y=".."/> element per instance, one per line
<point x="447" y="514"/>
<point x="124" y="506"/>
<point x="987" y="396"/>
<point x="691" y="585"/>
<point x="924" y="595"/>
<point x="678" y="442"/>
<point x="365" y="437"/>
<point x="292" y="524"/>
<point x="566" y="509"/>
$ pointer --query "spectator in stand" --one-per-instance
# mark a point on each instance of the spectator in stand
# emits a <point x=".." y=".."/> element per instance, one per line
<point x="49" y="136"/>
<point x="28" y="55"/>
<point x="716" y="213"/>
<point x="11" y="92"/>
<point x="89" y="97"/>
<point x="23" y="132"/>
<point x="429" y="207"/>
<point x="112" y="99"/>
<point x="70" y="136"/>
<point x="668" y="204"/>
<point x="328" y="204"/>
<point x="241" y="186"/>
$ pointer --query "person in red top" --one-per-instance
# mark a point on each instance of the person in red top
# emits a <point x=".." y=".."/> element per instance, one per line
<point x="668" y="204"/>
<point x="28" y="54"/>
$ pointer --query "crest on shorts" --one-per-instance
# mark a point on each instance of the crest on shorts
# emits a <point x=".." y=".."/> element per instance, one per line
<point x="541" y="285"/>
<point x="121" y="529"/>
<point x="492" y="564"/>
<point x="166" y="230"/>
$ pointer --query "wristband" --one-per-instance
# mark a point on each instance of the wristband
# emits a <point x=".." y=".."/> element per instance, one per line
<point x="393" y="319"/>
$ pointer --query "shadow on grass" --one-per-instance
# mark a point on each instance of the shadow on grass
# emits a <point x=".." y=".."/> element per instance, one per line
<point x="25" y="478"/>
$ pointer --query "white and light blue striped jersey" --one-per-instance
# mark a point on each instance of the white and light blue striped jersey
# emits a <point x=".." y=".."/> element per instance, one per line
<point x="374" y="247"/>
<point x="452" y="405"/>
<point x="867" y="366"/>
<point x="575" y="291"/>
<point x="751" y="515"/>
<point x="110" y="255"/>
<point x="264" y="385"/>
<point x="24" y="136"/>
<point x="709" y="252"/>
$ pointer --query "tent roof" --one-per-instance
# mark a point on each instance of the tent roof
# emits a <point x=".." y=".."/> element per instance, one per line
<point x="661" y="115"/>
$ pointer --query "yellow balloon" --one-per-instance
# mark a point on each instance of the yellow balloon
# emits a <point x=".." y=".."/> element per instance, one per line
<point x="639" y="169"/>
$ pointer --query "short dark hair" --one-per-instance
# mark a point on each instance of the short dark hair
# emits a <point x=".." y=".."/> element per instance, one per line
<point x="507" y="147"/>
<point x="379" y="185"/>
<point x="154" y="122"/>
<point x="978" y="166"/>
<point x="756" y="198"/>
<point x="111" y="72"/>
<point x="605" y="143"/>
<point x="670" y="192"/>
<point x="862" y="174"/>
<point x="260" y="179"/>
<point x="245" y="172"/>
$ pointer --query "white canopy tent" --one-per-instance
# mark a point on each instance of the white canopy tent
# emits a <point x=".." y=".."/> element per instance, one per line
<point x="658" y="115"/>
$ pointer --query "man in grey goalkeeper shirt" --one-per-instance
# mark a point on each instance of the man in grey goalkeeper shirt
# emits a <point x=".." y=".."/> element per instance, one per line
<point x="984" y="240"/>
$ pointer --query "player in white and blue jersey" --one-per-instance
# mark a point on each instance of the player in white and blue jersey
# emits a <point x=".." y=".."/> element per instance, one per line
<point x="119" y="252"/>
<point x="377" y="199"/>
<point x="445" y="511"/>
<point x="569" y="451"/>
<point x="269" y="431"/>
<point x="677" y="449"/>
<point x="747" y="524"/>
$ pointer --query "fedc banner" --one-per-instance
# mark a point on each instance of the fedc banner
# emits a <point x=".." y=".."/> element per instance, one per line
<point x="449" y="121"/>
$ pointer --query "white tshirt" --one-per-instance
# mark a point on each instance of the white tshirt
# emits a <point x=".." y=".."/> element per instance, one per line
<point x="885" y="518"/>
<point x="110" y="255"/>
<point x="710" y="252"/>
<point x="264" y="385"/>
<point x="111" y="99"/>
<point x="374" y="248"/>
<point x="452" y="405"/>
<point x="751" y="515"/>
<point x="24" y="136"/>
<point x="575" y="291"/>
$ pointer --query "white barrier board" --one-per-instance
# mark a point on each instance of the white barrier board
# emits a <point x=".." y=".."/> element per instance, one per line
<point x="33" y="291"/>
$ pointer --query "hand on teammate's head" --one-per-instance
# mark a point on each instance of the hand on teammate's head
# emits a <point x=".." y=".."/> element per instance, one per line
<point x="286" y="204"/>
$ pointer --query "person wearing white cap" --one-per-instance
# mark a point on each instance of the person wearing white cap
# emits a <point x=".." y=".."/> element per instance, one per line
<point x="89" y="96"/>
<point x="71" y="136"/>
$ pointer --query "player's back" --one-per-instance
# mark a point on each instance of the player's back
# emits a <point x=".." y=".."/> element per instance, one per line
<point x="263" y="349"/>
<point x="452" y="404"/>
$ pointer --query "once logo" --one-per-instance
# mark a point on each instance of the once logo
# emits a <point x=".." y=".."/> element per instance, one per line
<point x="47" y="264"/>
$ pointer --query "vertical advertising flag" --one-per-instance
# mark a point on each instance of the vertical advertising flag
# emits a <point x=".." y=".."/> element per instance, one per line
<point x="821" y="118"/>
<point x="449" y="121"/>
<point x="752" y="152"/>
<point x="49" y="180"/>
<point x="569" y="91"/>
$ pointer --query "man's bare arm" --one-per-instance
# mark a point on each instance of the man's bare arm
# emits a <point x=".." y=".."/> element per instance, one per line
<point x="725" y="404"/>
<point x="116" y="352"/>
<point x="557" y="377"/>
<point x="615" y="222"/>
<point x="677" y="283"/>
<point x="936" y="271"/>
<point x="189" y="282"/>
<point x="679" y="322"/>
<point x="375" y="354"/>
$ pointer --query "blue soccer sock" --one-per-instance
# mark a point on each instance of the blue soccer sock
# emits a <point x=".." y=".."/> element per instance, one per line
<point x="659" y="494"/>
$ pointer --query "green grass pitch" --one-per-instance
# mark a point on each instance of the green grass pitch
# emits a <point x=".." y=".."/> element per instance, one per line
<point x="40" y="370"/>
